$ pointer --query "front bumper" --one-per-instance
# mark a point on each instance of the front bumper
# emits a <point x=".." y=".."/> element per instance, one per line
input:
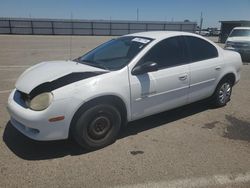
<point x="35" y="124"/>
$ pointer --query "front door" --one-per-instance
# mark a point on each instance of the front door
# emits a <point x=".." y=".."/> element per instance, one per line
<point x="167" y="88"/>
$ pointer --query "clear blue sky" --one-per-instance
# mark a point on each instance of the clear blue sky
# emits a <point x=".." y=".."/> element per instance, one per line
<point x="160" y="10"/>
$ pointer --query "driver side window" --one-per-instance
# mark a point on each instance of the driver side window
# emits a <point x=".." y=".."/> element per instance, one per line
<point x="167" y="53"/>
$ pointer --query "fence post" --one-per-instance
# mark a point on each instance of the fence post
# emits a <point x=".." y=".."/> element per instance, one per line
<point x="32" y="29"/>
<point x="10" y="27"/>
<point x="92" y="28"/>
<point x="52" y="27"/>
<point x="110" y="28"/>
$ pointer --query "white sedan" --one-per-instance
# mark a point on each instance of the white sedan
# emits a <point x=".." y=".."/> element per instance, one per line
<point x="122" y="80"/>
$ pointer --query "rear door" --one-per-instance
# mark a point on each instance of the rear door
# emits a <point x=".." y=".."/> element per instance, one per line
<point x="205" y="67"/>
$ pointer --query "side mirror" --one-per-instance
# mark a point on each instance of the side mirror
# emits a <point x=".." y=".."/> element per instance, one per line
<point x="145" y="67"/>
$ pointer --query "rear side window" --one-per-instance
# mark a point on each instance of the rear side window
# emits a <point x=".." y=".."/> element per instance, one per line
<point x="200" y="49"/>
<point x="167" y="53"/>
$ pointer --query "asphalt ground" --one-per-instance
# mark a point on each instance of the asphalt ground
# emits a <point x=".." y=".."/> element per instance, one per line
<point x="192" y="146"/>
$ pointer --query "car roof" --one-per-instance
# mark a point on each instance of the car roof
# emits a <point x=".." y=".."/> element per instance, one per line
<point x="161" y="34"/>
<point x="241" y="28"/>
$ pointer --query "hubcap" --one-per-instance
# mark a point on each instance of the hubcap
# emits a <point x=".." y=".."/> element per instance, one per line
<point x="99" y="127"/>
<point x="224" y="93"/>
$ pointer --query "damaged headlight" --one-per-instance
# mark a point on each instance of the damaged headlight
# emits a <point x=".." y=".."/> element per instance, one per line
<point x="41" y="101"/>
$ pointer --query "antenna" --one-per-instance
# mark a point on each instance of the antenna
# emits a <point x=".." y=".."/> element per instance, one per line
<point x="70" y="40"/>
<point x="137" y="14"/>
<point x="201" y="22"/>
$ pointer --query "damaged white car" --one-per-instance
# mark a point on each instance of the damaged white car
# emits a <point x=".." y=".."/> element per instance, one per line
<point x="122" y="80"/>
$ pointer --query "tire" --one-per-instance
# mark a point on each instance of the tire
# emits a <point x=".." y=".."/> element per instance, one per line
<point x="222" y="93"/>
<point x="96" y="127"/>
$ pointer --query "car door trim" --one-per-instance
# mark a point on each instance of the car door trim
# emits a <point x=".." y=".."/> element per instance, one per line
<point x="203" y="82"/>
<point x="161" y="93"/>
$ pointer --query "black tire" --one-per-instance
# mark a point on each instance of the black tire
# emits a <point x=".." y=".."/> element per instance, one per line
<point x="222" y="93"/>
<point x="96" y="127"/>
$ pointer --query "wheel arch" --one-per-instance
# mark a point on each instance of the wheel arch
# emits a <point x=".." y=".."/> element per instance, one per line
<point x="229" y="75"/>
<point x="108" y="99"/>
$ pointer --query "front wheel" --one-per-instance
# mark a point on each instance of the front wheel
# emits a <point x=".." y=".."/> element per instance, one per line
<point x="97" y="127"/>
<point x="222" y="93"/>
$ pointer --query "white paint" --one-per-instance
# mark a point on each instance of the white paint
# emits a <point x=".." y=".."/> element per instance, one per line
<point x="5" y="91"/>
<point x="11" y="69"/>
<point x="9" y="80"/>
<point x="14" y="66"/>
<point x="216" y="180"/>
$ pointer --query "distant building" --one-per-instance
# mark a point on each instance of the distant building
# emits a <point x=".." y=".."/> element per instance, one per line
<point x="227" y="26"/>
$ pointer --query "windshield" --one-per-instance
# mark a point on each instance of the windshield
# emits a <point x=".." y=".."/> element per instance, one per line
<point x="240" y="33"/>
<point x="114" y="54"/>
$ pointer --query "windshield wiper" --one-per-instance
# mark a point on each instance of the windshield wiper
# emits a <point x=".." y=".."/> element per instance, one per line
<point x="75" y="60"/>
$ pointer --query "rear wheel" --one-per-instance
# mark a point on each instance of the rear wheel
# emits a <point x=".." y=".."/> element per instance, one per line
<point x="97" y="127"/>
<point x="223" y="93"/>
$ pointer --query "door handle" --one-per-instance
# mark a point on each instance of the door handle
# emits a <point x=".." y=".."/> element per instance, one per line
<point x="218" y="68"/>
<point x="183" y="77"/>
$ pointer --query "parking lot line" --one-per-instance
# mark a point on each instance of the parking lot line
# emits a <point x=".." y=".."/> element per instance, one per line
<point x="5" y="91"/>
<point x="14" y="66"/>
<point x="216" y="180"/>
<point x="11" y="69"/>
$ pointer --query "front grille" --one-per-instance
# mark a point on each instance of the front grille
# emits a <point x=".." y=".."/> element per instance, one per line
<point x="241" y="45"/>
<point x="21" y="98"/>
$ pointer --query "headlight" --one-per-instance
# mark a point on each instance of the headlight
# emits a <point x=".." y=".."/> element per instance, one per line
<point x="41" y="102"/>
<point x="229" y="45"/>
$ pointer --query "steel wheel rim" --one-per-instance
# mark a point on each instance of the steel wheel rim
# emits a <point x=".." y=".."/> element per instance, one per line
<point x="224" y="93"/>
<point x="99" y="127"/>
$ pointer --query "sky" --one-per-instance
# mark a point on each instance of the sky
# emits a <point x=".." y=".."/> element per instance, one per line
<point x="149" y="10"/>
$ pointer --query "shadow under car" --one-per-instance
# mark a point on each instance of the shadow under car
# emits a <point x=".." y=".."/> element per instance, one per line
<point x="28" y="149"/>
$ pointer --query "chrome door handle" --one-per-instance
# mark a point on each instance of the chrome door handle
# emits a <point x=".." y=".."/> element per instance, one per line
<point x="218" y="68"/>
<point x="183" y="77"/>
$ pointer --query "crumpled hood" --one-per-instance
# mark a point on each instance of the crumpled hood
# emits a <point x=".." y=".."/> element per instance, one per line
<point x="238" y="39"/>
<point x="50" y="71"/>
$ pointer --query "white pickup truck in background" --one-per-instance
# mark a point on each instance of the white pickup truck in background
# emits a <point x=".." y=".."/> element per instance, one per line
<point x="239" y="41"/>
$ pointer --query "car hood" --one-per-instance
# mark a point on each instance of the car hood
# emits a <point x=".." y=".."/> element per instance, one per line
<point x="49" y="72"/>
<point x="238" y="39"/>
